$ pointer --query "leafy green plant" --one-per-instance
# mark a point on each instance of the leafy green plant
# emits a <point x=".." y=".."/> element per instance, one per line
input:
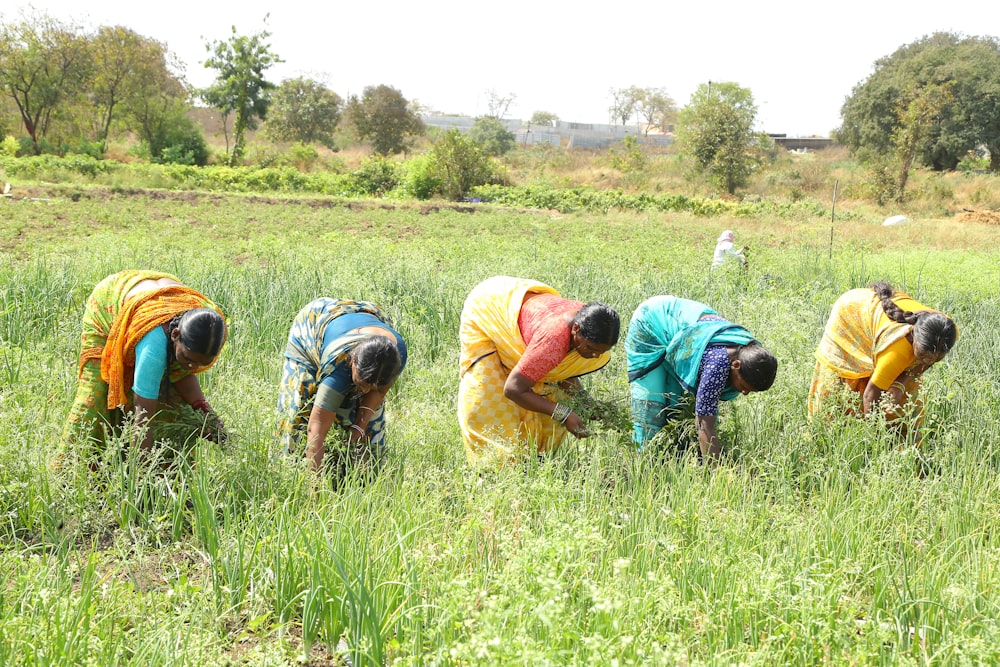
<point x="376" y="176"/>
<point x="9" y="146"/>
<point x="491" y="134"/>
<point x="460" y="164"/>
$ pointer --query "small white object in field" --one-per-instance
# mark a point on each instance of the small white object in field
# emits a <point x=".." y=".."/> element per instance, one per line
<point x="345" y="652"/>
<point x="895" y="220"/>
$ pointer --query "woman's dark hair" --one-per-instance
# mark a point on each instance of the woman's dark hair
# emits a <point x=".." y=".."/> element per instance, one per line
<point x="203" y="330"/>
<point x="757" y="366"/>
<point x="376" y="360"/>
<point x="599" y="323"/>
<point x="932" y="331"/>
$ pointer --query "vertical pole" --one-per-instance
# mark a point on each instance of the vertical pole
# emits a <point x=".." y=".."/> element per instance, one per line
<point x="833" y="213"/>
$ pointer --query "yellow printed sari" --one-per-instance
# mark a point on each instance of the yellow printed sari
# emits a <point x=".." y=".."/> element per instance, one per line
<point x="496" y="430"/>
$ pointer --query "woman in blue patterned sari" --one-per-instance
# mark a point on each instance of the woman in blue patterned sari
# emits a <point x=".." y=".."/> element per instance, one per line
<point x="681" y="352"/>
<point x="341" y="360"/>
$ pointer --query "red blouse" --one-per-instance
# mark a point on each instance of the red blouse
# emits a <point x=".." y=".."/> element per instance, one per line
<point x="544" y="326"/>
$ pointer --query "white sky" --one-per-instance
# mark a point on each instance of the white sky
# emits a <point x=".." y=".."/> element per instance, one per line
<point x="800" y="60"/>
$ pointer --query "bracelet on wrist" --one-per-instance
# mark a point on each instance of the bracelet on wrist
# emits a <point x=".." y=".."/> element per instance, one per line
<point x="202" y="405"/>
<point x="365" y="407"/>
<point x="898" y="385"/>
<point x="561" y="413"/>
<point x="360" y="430"/>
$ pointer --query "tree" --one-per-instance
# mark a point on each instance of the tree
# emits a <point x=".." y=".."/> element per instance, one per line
<point x="490" y="133"/>
<point x="916" y="120"/>
<point x="127" y="69"/>
<point x="42" y="63"/>
<point x="716" y="129"/>
<point x="657" y="109"/>
<point x="623" y="104"/>
<point x="544" y="118"/>
<point x="240" y="87"/>
<point x="970" y="120"/>
<point x="303" y="110"/>
<point x="459" y="164"/>
<point x="917" y="114"/>
<point x="497" y="105"/>
<point x="383" y="117"/>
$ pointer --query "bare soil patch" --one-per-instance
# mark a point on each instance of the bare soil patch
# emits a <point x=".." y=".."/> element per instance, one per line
<point x="984" y="217"/>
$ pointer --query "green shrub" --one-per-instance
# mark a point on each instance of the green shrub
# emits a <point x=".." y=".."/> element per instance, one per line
<point x="9" y="146"/>
<point x="490" y="133"/>
<point x="460" y="164"/>
<point x="628" y="156"/>
<point x="974" y="163"/>
<point x="179" y="141"/>
<point x="376" y="176"/>
<point x="302" y="156"/>
<point x="420" y="179"/>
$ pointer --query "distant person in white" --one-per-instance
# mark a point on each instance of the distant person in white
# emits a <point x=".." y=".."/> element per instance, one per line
<point x="724" y="251"/>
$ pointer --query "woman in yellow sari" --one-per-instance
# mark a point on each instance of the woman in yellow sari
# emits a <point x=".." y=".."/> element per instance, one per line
<point x="523" y="348"/>
<point x="877" y="344"/>
<point x="145" y="338"/>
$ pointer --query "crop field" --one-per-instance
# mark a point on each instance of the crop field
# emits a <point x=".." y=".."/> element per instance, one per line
<point x="810" y="543"/>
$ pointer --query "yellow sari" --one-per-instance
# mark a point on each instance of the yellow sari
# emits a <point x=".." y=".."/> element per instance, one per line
<point x="857" y="336"/>
<point x="496" y="430"/>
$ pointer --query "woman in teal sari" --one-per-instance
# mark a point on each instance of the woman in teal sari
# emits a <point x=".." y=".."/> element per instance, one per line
<point x="683" y="355"/>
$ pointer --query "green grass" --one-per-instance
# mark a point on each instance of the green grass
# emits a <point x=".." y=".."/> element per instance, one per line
<point x="810" y="543"/>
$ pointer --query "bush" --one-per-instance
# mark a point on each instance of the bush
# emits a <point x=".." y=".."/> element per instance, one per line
<point x="376" y="176"/>
<point x="627" y="157"/>
<point x="420" y="180"/>
<point x="179" y="141"/>
<point x="302" y="156"/>
<point x="460" y="164"/>
<point x="9" y="146"/>
<point x="490" y="133"/>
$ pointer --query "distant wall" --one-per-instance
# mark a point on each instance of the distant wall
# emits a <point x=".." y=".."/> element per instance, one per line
<point x="571" y="135"/>
<point x="801" y="143"/>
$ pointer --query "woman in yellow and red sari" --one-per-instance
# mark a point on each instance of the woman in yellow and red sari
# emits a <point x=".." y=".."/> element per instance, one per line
<point x="145" y="338"/>
<point x="877" y="343"/>
<point x="523" y="348"/>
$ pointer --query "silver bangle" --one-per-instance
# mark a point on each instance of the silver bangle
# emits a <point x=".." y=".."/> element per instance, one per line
<point x="360" y="430"/>
<point x="561" y="413"/>
<point x="365" y="407"/>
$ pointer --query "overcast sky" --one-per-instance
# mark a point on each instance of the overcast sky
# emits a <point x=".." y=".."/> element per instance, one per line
<point x="800" y="60"/>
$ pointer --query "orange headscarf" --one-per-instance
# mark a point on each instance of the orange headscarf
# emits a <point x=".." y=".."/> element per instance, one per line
<point x="137" y="317"/>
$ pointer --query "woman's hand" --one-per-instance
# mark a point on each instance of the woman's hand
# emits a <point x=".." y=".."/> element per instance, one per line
<point x="708" y="437"/>
<point x="575" y="425"/>
<point x="320" y="421"/>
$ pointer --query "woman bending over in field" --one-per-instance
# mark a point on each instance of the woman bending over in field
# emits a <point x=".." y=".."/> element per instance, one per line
<point x="145" y="339"/>
<point x="523" y="348"/>
<point x="683" y="358"/>
<point x="878" y="343"/>
<point x="341" y="360"/>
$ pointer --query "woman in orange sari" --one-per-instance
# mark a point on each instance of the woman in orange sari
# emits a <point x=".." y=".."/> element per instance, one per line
<point x="523" y="348"/>
<point x="145" y="338"/>
<point x="877" y="344"/>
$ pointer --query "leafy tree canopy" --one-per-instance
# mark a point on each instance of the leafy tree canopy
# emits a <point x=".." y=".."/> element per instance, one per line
<point x="491" y="134"/>
<point x="716" y="130"/>
<point x="544" y="118"/>
<point x="383" y="117"/>
<point x="968" y="66"/>
<point x="43" y="63"/>
<point x="304" y="110"/>
<point x="240" y="87"/>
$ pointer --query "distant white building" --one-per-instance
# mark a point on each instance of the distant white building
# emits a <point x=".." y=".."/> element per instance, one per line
<point x="563" y="133"/>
